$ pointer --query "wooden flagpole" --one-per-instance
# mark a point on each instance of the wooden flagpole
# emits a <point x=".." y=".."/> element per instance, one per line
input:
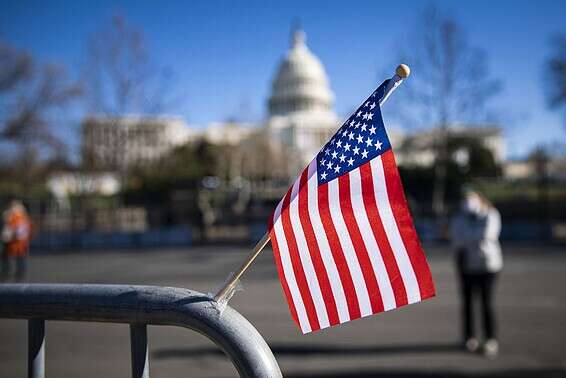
<point x="402" y="72"/>
<point x="232" y="281"/>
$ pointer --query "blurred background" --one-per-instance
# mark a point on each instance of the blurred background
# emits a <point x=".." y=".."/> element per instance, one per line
<point x="150" y="142"/>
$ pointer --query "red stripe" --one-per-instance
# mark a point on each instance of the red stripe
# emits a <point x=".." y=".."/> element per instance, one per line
<point x="338" y="253"/>
<point x="297" y="264"/>
<point x="405" y="225"/>
<point x="282" y="277"/>
<point x="314" y="251"/>
<point x="374" y="217"/>
<point x="358" y="242"/>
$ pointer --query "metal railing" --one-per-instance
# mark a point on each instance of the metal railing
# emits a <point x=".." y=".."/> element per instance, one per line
<point x="137" y="306"/>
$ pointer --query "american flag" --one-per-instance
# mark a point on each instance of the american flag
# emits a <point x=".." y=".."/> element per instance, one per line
<point x="343" y="238"/>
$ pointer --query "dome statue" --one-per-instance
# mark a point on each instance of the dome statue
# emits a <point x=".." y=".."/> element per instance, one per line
<point x="301" y="84"/>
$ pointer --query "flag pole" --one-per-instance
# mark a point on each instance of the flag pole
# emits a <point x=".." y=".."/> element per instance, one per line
<point x="229" y="286"/>
<point x="223" y="295"/>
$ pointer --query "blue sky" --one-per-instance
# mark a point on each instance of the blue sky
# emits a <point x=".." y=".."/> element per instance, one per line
<point x="224" y="53"/>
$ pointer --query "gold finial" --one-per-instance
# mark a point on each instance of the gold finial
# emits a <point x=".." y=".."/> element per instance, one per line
<point x="403" y="71"/>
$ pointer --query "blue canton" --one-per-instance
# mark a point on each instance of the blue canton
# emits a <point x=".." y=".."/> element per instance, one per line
<point x="361" y="138"/>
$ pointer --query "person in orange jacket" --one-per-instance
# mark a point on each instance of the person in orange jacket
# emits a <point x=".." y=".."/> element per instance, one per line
<point x="16" y="235"/>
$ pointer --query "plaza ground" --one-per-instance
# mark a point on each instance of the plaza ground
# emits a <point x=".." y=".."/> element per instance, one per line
<point x="420" y="340"/>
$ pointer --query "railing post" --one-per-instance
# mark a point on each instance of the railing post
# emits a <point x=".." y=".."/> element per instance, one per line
<point x="137" y="306"/>
<point x="140" y="360"/>
<point x="36" y="348"/>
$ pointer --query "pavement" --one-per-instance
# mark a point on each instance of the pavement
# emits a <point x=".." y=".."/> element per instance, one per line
<point x="421" y="340"/>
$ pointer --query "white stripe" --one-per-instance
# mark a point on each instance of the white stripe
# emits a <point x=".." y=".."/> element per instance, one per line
<point x="305" y="257"/>
<point x="324" y="247"/>
<point x="348" y="248"/>
<point x="390" y="226"/>
<point x="277" y="212"/>
<point x="370" y="242"/>
<point x="288" y="271"/>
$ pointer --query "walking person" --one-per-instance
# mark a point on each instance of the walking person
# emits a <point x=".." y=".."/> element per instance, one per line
<point x="16" y="235"/>
<point x="475" y="237"/>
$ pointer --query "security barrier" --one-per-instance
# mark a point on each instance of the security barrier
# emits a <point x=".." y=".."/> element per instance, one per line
<point x="137" y="306"/>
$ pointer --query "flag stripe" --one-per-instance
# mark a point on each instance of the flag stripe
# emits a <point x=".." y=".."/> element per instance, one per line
<point x="283" y="279"/>
<point x="392" y="232"/>
<point x="338" y="253"/>
<point x="405" y="225"/>
<point x="359" y="246"/>
<point x="375" y="251"/>
<point x="376" y="223"/>
<point x="304" y="254"/>
<point x="314" y="250"/>
<point x="282" y="257"/>
<point x="348" y="248"/>
<point x="324" y="247"/>
<point x="297" y="266"/>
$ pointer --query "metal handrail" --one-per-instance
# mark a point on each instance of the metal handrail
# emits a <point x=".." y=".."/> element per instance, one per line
<point x="138" y="306"/>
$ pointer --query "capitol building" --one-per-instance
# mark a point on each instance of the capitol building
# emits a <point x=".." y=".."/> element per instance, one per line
<point x="301" y="114"/>
<point x="300" y="120"/>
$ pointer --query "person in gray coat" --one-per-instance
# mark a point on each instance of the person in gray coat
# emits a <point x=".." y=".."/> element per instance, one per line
<point x="475" y="238"/>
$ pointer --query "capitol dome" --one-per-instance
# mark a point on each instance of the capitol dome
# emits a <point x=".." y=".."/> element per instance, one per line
<point x="301" y="84"/>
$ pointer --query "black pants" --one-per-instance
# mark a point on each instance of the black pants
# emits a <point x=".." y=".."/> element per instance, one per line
<point x="478" y="286"/>
<point x="21" y="267"/>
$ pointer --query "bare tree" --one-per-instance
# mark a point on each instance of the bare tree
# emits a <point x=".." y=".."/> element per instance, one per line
<point x="555" y="73"/>
<point x="15" y="67"/>
<point x="450" y="84"/>
<point x="29" y="95"/>
<point x="120" y="76"/>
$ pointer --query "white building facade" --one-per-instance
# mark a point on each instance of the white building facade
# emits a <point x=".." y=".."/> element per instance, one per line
<point x="420" y="148"/>
<point x="118" y="143"/>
